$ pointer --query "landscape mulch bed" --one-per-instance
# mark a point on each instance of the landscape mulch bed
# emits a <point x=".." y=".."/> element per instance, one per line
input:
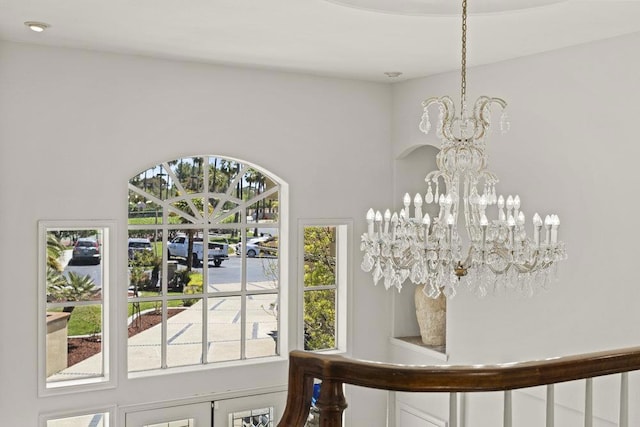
<point x="82" y="348"/>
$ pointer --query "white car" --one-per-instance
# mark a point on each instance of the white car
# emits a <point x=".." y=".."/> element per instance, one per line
<point x="257" y="247"/>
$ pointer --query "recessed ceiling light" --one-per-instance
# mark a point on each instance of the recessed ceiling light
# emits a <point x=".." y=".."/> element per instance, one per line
<point x="393" y="74"/>
<point x="38" y="27"/>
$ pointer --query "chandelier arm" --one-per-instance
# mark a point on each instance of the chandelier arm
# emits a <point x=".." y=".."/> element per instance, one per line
<point x="522" y="268"/>
<point x="528" y="268"/>
<point x="483" y="167"/>
<point x="482" y="111"/>
<point x="494" y="270"/>
<point x="467" y="261"/>
<point x="447" y="183"/>
<point x="447" y="115"/>
<point x="399" y="264"/>
<point x="439" y="174"/>
<point x="430" y="101"/>
<point x="488" y="176"/>
<point x="501" y="102"/>
<point x="482" y="121"/>
<point x="448" y="118"/>
<point x="433" y="176"/>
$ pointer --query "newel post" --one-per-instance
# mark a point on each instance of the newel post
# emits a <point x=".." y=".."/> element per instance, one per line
<point x="331" y="404"/>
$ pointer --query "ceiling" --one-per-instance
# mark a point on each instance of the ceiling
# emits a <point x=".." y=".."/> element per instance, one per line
<point x="360" y="39"/>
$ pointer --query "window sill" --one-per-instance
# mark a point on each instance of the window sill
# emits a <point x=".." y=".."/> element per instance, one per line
<point x="333" y="351"/>
<point x="209" y="366"/>
<point x="415" y="344"/>
<point x="76" y="386"/>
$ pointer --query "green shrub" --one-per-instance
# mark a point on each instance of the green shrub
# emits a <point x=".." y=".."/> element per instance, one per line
<point x="192" y="286"/>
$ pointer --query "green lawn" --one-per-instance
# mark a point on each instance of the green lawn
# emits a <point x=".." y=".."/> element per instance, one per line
<point x="153" y="220"/>
<point x="86" y="319"/>
<point x="144" y="306"/>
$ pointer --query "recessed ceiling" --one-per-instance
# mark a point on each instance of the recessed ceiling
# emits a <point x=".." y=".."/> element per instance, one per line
<point x="321" y="37"/>
<point x="443" y="7"/>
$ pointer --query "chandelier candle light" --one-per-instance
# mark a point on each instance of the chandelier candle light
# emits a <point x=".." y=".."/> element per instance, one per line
<point x="492" y="256"/>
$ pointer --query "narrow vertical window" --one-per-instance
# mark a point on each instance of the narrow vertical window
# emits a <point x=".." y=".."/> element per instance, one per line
<point x="74" y="296"/>
<point x="324" y="269"/>
<point x="100" y="419"/>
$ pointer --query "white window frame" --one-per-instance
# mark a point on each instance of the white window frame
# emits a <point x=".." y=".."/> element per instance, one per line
<point x="243" y="225"/>
<point x="344" y="257"/>
<point x="109" y="346"/>
<point x="53" y="416"/>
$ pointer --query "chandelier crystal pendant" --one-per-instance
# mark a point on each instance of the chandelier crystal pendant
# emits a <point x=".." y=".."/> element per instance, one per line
<point x="461" y="242"/>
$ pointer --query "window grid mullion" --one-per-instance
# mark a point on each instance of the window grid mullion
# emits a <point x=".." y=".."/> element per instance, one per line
<point x="243" y="289"/>
<point x="163" y="335"/>
<point x="320" y="288"/>
<point x="205" y="328"/>
<point x="75" y="303"/>
<point x="205" y="266"/>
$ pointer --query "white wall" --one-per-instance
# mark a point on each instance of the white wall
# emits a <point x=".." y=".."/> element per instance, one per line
<point x="409" y="173"/>
<point x="75" y="125"/>
<point x="571" y="150"/>
<point x="67" y="113"/>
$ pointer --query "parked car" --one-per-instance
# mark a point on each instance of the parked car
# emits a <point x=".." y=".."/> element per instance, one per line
<point x="259" y="246"/>
<point x="137" y="245"/>
<point x="86" y="250"/>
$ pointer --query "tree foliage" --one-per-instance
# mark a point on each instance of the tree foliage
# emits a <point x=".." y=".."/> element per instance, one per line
<point x="73" y="287"/>
<point x="319" y="320"/>
<point x="319" y="270"/>
<point x="54" y="252"/>
<point x="140" y="263"/>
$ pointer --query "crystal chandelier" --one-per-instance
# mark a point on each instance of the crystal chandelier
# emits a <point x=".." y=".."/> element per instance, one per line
<point x="461" y="242"/>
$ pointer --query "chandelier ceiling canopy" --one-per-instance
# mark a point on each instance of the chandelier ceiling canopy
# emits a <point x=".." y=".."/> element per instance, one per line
<point x="461" y="242"/>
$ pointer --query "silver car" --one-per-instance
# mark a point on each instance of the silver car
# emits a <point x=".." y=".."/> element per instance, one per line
<point x="138" y="244"/>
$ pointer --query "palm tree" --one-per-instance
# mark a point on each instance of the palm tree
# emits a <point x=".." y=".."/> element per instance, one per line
<point x="199" y="205"/>
<point x="213" y="173"/>
<point x="55" y="279"/>
<point x="54" y="252"/>
<point x="73" y="287"/>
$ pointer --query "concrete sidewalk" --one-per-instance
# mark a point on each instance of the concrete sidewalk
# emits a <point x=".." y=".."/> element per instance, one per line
<point x="184" y="337"/>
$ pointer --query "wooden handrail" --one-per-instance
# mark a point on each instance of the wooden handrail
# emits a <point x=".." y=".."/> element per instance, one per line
<point x="334" y="371"/>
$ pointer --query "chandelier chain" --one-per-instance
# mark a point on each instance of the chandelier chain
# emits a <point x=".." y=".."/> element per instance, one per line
<point x="463" y="68"/>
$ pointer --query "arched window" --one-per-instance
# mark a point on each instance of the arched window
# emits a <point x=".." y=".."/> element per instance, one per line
<point x="204" y="248"/>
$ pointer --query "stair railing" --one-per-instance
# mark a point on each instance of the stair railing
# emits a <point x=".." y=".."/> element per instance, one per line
<point x="334" y="371"/>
